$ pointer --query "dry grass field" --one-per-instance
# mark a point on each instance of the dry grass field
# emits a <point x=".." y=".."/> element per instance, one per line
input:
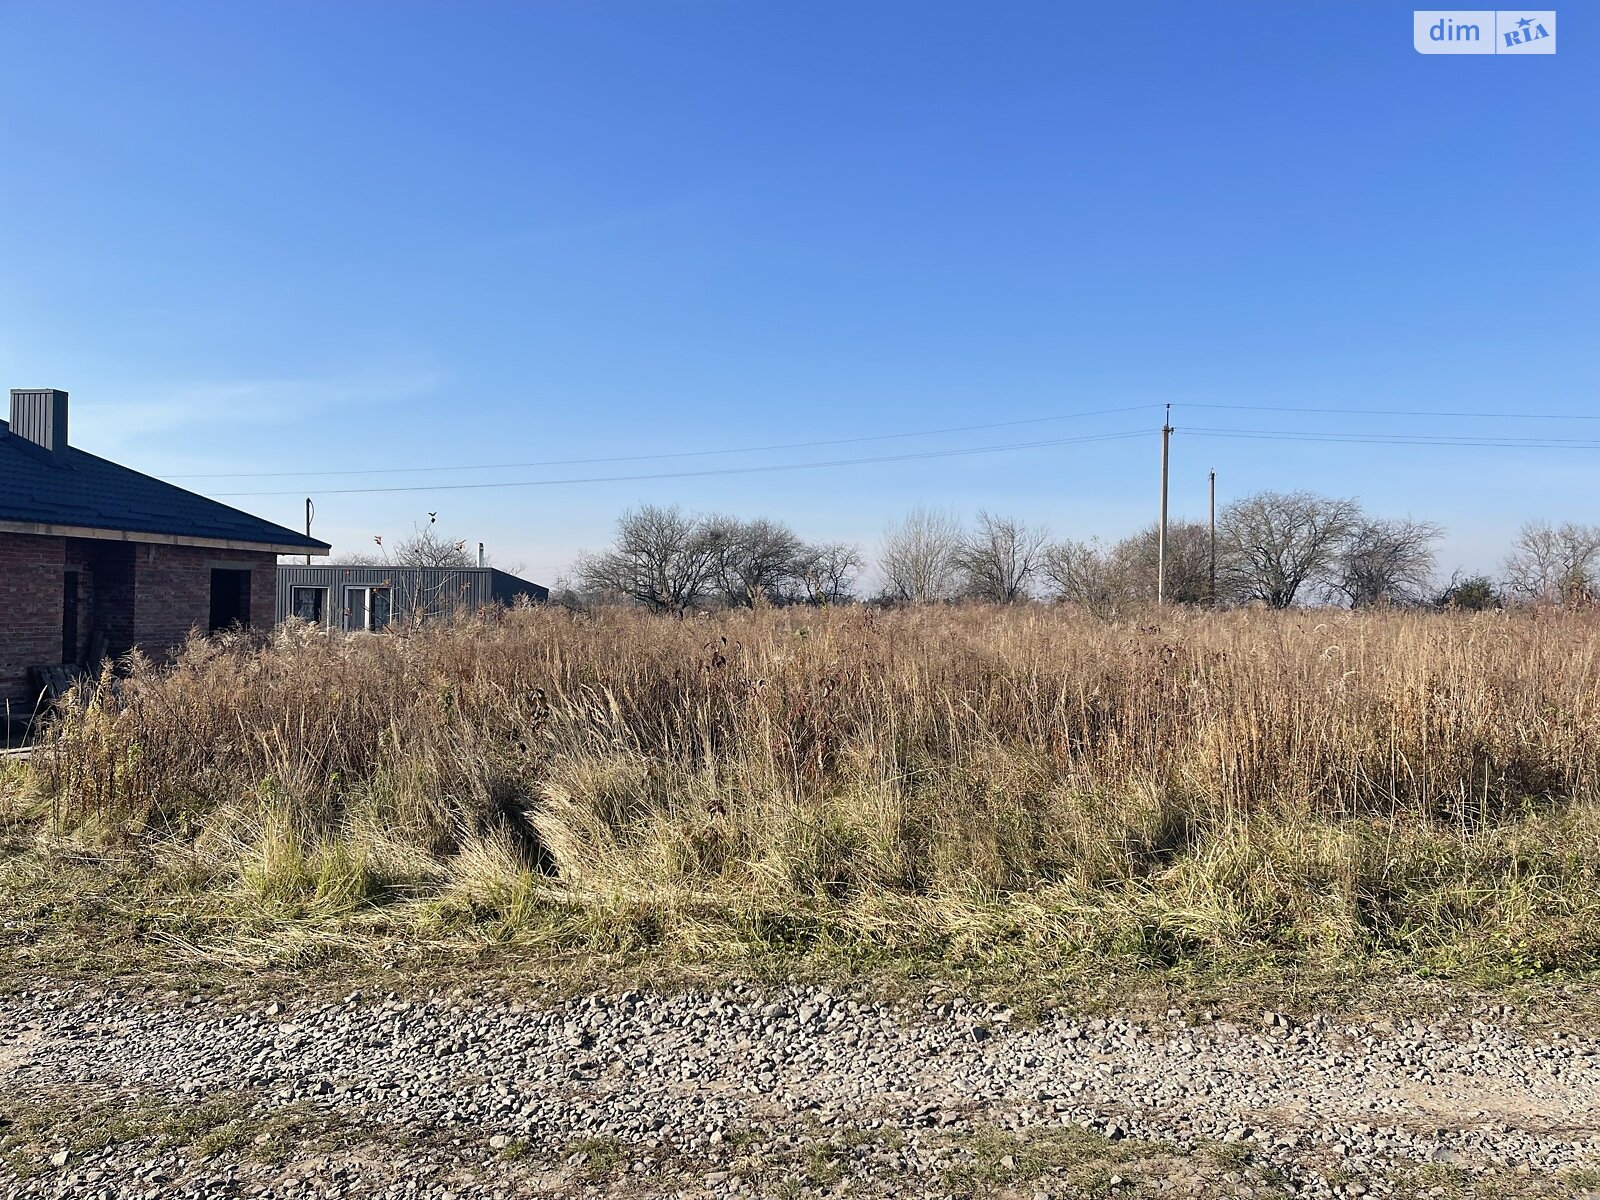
<point x="1021" y="789"/>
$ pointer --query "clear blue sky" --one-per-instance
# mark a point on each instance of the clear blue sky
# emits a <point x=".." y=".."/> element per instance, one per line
<point x="297" y="236"/>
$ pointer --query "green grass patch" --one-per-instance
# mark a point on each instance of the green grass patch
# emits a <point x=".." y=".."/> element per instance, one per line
<point x="595" y="1158"/>
<point x="994" y="1158"/>
<point x="36" y="1124"/>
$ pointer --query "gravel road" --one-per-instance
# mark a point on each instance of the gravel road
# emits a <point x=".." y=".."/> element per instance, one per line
<point x="782" y="1093"/>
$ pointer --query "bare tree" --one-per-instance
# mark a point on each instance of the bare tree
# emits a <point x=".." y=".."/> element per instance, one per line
<point x="1085" y="573"/>
<point x="999" y="558"/>
<point x="427" y="547"/>
<point x="1388" y="561"/>
<point x="569" y="593"/>
<point x="828" y="572"/>
<point x="757" y="560"/>
<point x="661" y="558"/>
<point x="918" y="557"/>
<point x="1554" y="564"/>
<point x="1138" y="562"/>
<point x="1277" y="543"/>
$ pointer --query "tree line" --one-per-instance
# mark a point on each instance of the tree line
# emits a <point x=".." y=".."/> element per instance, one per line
<point x="1276" y="549"/>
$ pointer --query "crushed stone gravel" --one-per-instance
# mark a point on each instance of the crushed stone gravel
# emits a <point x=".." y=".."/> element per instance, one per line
<point x="794" y="1091"/>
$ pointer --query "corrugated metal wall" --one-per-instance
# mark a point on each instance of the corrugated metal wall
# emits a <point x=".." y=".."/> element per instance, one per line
<point x="40" y="415"/>
<point x="434" y="591"/>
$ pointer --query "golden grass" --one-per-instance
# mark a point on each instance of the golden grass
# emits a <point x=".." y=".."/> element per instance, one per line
<point x="1026" y="783"/>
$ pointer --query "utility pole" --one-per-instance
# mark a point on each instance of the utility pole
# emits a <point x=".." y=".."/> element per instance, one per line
<point x="1161" y="536"/>
<point x="1213" y="537"/>
<point x="310" y="510"/>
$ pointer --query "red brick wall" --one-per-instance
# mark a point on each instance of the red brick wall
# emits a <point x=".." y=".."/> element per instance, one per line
<point x="263" y="591"/>
<point x="113" y="592"/>
<point x="30" y="612"/>
<point x="172" y="592"/>
<point x="79" y="556"/>
<point x="144" y="595"/>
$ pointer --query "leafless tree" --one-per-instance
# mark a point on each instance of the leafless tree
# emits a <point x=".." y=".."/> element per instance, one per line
<point x="1554" y="564"/>
<point x="1085" y="573"/>
<point x="828" y="572"/>
<point x="999" y="558"/>
<point x="918" y="557"/>
<point x="426" y="547"/>
<point x="1277" y="543"/>
<point x="661" y="558"/>
<point x="1138" y="563"/>
<point x="1388" y="561"/>
<point x="1107" y="578"/>
<point x="757" y="560"/>
<point x="569" y="593"/>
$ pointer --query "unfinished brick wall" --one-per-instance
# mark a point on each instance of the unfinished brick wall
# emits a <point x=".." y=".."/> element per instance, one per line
<point x="105" y="593"/>
<point x="30" y="612"/>
<point x="78" y="556"/>
<point x="113" y="592"/>
<point x="136" y="594"/>
<point x="172" y="592"/>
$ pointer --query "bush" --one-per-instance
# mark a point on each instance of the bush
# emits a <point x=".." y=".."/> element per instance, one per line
<point x="1476" y="593"/>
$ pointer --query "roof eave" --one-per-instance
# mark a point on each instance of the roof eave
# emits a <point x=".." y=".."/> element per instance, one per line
<point x="40" y="529"/>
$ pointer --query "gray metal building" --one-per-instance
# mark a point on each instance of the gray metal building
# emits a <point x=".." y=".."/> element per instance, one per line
<point x="370" y="598"/>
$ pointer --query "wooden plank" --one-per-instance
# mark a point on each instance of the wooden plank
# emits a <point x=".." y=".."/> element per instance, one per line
<point x="97" y="651"/>
<point x="57" y="680"/>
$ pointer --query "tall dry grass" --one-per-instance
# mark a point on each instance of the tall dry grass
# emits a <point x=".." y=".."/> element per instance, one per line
<point x="995" y="782"/>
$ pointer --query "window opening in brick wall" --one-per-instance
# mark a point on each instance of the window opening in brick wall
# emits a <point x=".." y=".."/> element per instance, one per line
<point x="230" y="598"/>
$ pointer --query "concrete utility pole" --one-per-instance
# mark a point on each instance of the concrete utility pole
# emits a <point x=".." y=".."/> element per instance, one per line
<point x="1213" y="537"/>
<point x="1161" y="536"/>
<point x="310" y="509"/>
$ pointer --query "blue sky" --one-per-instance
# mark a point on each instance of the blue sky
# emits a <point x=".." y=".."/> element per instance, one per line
<point x="257" y="238"/>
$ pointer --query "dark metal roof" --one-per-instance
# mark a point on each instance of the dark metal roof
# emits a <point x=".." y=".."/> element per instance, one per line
<point x="88" y="492"/>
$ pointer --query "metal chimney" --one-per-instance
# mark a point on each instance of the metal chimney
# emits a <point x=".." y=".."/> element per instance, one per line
<point x="39" y="415"/>
<point x="480" y="554"/>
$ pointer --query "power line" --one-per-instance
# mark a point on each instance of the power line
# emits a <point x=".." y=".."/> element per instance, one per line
<point x="1399" y="412"/>
<point x="806" y="445"/>
<point x="573" y="462"/>
<point x="839" y="462"/>
<point x="1202" y="431"/>
<point x="1397" y="439"/>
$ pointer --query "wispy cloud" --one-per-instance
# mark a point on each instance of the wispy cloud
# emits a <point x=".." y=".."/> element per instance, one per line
<point x="146" y="416"/>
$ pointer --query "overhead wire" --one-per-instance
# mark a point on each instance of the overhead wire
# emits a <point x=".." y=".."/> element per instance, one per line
<point x="1393" y="439"/>
<point x="766" y="467"/>
<point x="572" y="462"/>
<point x="1396" y="412"/>
<point x="1361" y="437"/>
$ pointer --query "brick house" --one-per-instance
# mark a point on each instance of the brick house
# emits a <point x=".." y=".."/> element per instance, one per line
<point x="96" y="557"/>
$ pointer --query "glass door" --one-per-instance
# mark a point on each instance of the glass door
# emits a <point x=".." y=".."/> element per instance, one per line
<point x="367" y="609"/>
<point x="356" y="601"/>
<point x="378" y="608"/>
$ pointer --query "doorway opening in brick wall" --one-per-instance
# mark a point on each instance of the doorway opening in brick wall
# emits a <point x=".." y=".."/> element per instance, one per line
<point x="69" y="617"/>
<point x="230" y="598"/>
